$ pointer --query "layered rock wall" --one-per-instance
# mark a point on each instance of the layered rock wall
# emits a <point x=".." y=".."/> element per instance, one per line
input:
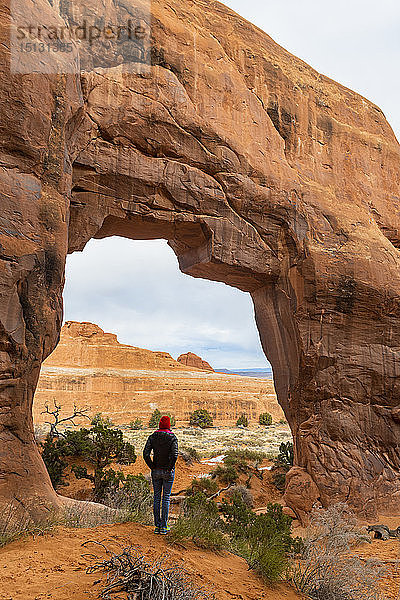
<point x="92" y="370"/>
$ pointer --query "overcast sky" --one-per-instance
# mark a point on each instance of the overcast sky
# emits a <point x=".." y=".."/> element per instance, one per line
<point x="135" y="289"/>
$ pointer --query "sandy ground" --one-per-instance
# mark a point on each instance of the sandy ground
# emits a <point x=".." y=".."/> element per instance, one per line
<point x="388" y="553"/>
<point x="54" y="566"/>
<point x="385" y="553"/>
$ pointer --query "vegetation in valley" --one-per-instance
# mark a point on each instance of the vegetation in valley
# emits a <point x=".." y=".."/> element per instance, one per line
<point x="282" y="464"/>
<point x="201" y="418"/>
<point x="217" y="514"/>
<point x="239" y="462"/>
<point x="265" y="419"/>
<point x="242" y="421"/>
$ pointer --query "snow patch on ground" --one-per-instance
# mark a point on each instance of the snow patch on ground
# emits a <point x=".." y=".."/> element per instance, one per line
<point x="214" y="461"/>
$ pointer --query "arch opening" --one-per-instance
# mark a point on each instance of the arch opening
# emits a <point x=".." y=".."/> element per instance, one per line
<point x="152" y="314"/>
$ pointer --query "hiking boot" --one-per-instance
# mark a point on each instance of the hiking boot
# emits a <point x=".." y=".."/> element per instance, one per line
<point x="165" y="530"/>
<point x="156" y="530"/>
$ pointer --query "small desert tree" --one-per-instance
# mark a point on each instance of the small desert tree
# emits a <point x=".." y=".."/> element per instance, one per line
<point x="155" y="418"/>
<point x="265" y="419"/>
<point x="242" y="420"/>
<point x="201" y="418"/>
<point x="101" y="445"/>
<point x="57" y="420"/>
<point x="55" y="447"/>
<point x="282" y="464"/>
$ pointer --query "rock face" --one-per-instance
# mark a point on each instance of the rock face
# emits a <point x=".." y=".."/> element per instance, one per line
<point x="192" y="360"/>
<point x="261" y="173"/>
<point x="93" y="370"/>
<point x="87" y="345"/>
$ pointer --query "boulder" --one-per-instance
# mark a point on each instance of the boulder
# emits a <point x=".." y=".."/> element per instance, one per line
<point x="301" y="494"/>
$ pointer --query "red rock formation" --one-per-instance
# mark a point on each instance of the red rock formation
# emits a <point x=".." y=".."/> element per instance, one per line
<point x="87" y="345"/>
<point x="91" y="369"/>
<point x="262" y="174"/>
<point x="192" y="360"/>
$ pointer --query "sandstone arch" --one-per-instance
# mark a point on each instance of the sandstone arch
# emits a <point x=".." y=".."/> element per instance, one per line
<point x="261" y="173"/>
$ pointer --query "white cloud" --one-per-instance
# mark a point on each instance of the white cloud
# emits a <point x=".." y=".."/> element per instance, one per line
<point x="135" y="289"/>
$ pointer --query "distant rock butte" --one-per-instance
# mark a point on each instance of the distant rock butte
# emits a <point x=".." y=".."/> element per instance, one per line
<point x="87" y="345"/>
<point x="192" y="360"/>
<point x="93" y="370"/>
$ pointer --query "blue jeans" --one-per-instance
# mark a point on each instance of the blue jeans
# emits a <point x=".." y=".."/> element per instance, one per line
<point x="162" y="482"/>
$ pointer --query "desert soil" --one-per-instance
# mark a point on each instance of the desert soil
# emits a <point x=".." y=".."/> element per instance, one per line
<point x="54" y="566"/>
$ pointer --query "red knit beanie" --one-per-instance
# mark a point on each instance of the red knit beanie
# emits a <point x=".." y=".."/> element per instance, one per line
<point x="165" y="423"/>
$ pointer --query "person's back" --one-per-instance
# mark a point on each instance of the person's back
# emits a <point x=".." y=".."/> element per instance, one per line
<point x="164" y="446"/>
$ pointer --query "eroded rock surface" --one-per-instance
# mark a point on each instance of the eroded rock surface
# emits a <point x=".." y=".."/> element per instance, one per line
<point x="192" y="360"/>
<point x="91" y="369"/>
<point x="262" y="174"/>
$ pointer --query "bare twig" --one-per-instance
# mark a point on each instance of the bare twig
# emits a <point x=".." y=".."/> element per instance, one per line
<point x="139" y="579"/>
<point x="220" y="491"/>
<point x="55" y="413"/>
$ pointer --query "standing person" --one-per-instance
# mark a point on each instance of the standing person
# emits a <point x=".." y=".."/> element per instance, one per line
<point x="164" y="445"/>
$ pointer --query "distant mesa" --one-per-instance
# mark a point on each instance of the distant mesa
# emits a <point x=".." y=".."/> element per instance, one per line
<point x="192" y="360"/>
<point x="258" y="373"/>
<point x="91" y="369"/>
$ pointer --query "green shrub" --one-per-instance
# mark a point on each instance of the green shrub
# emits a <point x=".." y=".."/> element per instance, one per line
<point x="134" y="498"/>
<point x="279" y="480"/>
<point x="243" y="493"/>
<point x="100" y="445"/>
<point x="244" y="462"/>
<point x="206" y="485"/>
<point x="242" y="420"/>
<point x="189" y="455"/>
<point x="263" y="540"/>
<point x="136" y="425"/>
<point x="285" y="457"/>
<point x="201" y="523"/>
<point x="265" y="419"/>
<point x="155" y="418"/>
<point x="53" y="453"/>
<point x="244" y="457"/>
<point x="282" y="464"/>
<point x="226" y="474"/>
<point x="201" y="418"/>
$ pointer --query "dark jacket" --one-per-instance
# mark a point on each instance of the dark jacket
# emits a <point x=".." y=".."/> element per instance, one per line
<point x="164" y="445"/>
